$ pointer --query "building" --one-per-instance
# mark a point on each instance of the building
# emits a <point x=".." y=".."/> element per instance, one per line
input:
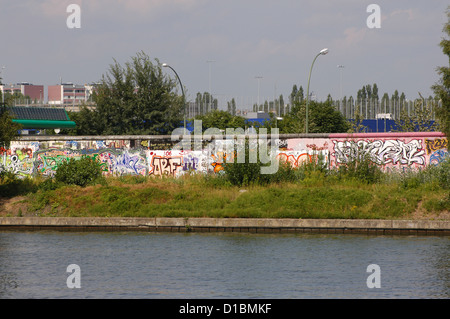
<point x="34" y="92"/>
<point x="69" y="94"/>
<point x="39" y="118"/>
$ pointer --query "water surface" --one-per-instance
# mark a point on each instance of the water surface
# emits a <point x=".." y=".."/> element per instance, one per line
<point x="221" y="265"/>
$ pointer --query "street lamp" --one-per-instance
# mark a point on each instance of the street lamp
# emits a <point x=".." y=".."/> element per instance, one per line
<point x="322" y="52"/>
<point x="182" y="90"/>
<point x="3" y="89"/>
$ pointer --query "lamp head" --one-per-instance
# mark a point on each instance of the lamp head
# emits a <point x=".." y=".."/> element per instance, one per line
<point x="165" y="65"/>
<point x="324" y="51"/>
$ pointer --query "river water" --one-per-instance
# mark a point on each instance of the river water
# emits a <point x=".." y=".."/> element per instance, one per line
<point x="149" y="265"/>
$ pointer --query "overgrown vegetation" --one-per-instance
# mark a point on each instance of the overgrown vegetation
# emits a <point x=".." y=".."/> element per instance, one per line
<point x="82" y="172"/>
<point x="358" y="190"/>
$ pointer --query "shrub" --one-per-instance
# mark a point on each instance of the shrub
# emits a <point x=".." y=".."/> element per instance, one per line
<point x="11" y="185"/>
<point x="443" y="174"/>
<point x="243" y="173"/>
<point x="82" y="172"/>
<point x="361" y="168"/>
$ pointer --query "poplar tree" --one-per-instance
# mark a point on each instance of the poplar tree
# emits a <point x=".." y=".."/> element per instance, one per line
<point x="442" y="88"/>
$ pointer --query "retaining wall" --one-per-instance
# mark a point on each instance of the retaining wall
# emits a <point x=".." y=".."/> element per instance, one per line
<point x="251" y="225"/>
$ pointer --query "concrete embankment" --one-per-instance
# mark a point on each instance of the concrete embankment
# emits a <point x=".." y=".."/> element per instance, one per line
<point x="251" y="225"/>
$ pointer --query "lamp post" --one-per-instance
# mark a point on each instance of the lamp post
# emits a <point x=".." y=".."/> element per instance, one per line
<point x="3" y="90"/>
<point x="322" y="52"/>
<point x="182" y="90"/>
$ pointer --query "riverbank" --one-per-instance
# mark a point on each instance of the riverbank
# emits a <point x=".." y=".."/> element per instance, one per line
<point x="314" y="197"/>
<point x="250" y="225"/>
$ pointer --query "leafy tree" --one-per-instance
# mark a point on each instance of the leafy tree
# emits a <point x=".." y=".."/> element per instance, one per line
<point x="86" y="121"/>
<point x="221" y="120"/>
<point x="419" y="120"/>
<point x="8" y="128"/>
<point x="442" y="88"/>
<point x="324" y="118"/>
<point x="136" y="98"/>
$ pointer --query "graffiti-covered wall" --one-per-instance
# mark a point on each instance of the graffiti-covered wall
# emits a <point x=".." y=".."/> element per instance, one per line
<point x="128" y="156"/>
<point x="389" y="150"/>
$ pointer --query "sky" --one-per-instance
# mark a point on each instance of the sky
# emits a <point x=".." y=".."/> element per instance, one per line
<point x="249" y="50"/>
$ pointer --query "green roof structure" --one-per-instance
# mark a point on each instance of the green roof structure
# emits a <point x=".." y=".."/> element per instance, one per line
<point x="40" y="117"/>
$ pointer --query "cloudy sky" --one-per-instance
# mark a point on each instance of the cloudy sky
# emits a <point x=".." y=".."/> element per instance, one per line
<point x="226" y="45"/>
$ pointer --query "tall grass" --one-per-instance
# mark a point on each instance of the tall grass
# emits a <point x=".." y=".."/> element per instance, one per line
<point x="354" y="190"/>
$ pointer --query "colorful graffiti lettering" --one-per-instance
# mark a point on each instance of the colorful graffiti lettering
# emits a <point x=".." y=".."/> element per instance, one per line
<point x="435" y="144"/>
<point x="218" y="161"/>
<point x="116" y="157"/>
<point x="294" y="159"/>
<point x="165" y="165"/>
<point x="438" y="157"/>
<point x="190" y="163"/>
<point x="381" y="152"/>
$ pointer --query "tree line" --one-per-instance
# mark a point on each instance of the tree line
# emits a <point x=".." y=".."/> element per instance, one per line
<point x="138" y="98"/>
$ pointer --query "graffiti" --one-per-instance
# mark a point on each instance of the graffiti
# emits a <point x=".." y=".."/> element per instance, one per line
<point x="17" y="165"/>
<point x="294" y="158"/>
<point x="381" y="152"/>
<point x="436" y="144"/>
<point x="438" y="157"/>
<point x="166" y="165"/>
<point x="218" y="161"/>
<point x="190" y="163"/>
<point x="282" y="144"/>
<point x="123" y="163"/>
<point x="117" y="158"/>
<point x="112" y="162"/>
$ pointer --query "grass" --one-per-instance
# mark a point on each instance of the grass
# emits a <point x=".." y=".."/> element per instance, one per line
<point x="313" y="193"/>
<point x="200" y="197"/>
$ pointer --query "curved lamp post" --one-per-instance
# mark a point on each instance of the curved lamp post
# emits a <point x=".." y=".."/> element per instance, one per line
<point x="182" y="90"/>
<point x="322" y="52"/>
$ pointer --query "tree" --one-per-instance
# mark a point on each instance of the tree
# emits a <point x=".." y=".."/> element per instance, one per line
<point x="420" y="120"/>
<point x="221" y="120"/>
<point x="442" y="88"/>
<point x="136" y="98"/>
<point x="8" y="128"/>
<point x="232" y="107"/>
<point x="86" y="121"/>
<point x="324" y="118"/>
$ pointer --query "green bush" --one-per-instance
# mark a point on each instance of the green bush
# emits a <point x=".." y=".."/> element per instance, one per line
<point x="11" y="185"/>
<point x="245" y="173"/>
<point x="443" y="174"/>
<point x="361" y="168"/>
<point x="82" y="172"/>
<point x="250" y="172"/>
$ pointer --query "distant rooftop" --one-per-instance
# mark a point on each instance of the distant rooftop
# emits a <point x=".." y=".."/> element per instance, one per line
<point x="40" y="117"/>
